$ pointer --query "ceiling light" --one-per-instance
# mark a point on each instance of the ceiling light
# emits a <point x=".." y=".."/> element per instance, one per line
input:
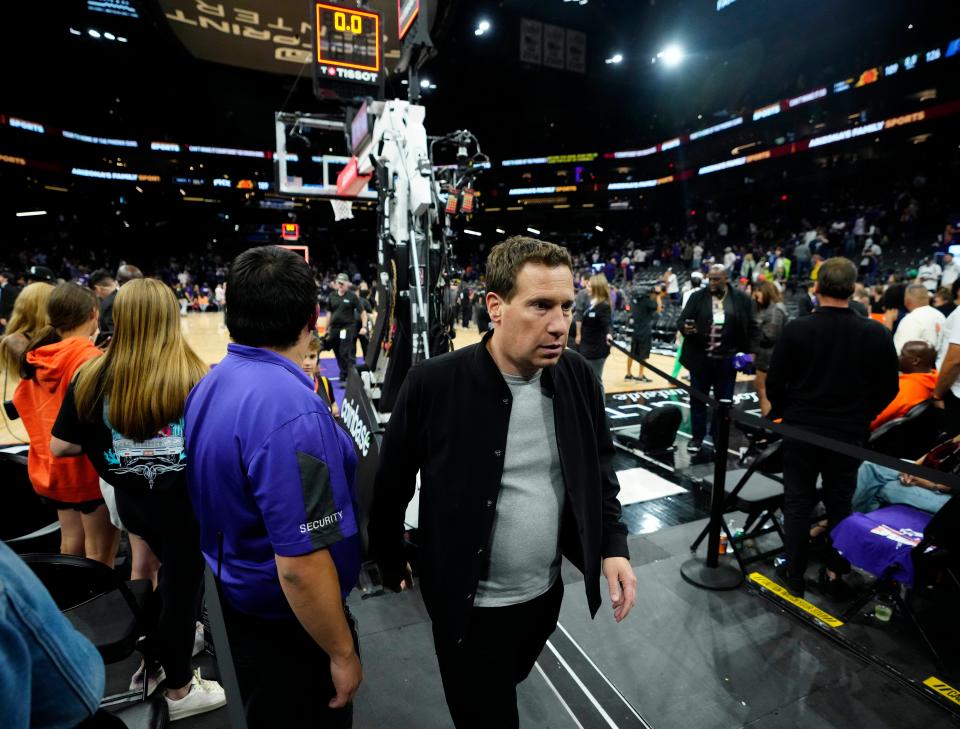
<point x="533" y="230"/>
<point x="121" y="39"/>
<point x="472" y="232"/>
<point x="138" y="188"/>
<point x="424" y="83"/>
<point x="599" y="228"/>
<point x="672" y="55"/>
<point x="93" y="33"/>
<point x="74" y="31"/>
<point x="482" y="27"/>
<point x="31" y="213"/>
<point x="109" y="36"/>
<point x="501" y="231"/>
<point x="615" y="58"/>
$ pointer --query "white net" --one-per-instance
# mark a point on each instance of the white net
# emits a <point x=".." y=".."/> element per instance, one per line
<point x="342" y="209"/>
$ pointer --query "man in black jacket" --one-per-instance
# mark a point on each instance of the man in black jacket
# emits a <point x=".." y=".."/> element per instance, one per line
<point x="501" y="502"/>
<point x="831" y="373"/>
<point x="717" y="323"/>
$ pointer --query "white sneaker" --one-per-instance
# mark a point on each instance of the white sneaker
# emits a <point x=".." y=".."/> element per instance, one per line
<point x="204" y="696"/>
<point x="199" y="642"/>
<point x="156" y="678"/>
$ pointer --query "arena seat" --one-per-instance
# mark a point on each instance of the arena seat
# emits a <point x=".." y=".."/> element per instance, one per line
<point x="910" y="436"/>
<point x="863" y="541"/>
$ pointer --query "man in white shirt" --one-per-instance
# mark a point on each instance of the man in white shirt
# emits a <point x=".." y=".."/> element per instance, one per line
<point x="923" y="323"/>
<point x="929" y="274"/>
<point x="697" y="256"/>
<point x="729" y="259"/>
<point x="672" y="284"/>
<point x="946" y="394"/>
<point x="951" y="271"/>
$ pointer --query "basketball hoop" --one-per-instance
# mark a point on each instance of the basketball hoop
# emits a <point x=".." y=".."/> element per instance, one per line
<point x="342" y="209"/>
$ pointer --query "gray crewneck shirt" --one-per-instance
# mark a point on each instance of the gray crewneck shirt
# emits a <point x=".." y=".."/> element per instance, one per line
<point x="525" y="542"/>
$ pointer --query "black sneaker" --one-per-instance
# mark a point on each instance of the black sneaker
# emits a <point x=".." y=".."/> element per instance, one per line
<point x="629" y="377"/>
<point x="694" y="445"/>
<point x="796" y="586"/>
<point x="645" y="379"/>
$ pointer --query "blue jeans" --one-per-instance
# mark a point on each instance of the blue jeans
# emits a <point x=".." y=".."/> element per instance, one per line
<point x="878" y="486"/>
<point x="50" y="675"/>
<point x="717" y="375"/>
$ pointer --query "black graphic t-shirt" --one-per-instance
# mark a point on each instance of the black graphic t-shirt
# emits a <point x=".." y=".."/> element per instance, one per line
<point x="157" y="464"/>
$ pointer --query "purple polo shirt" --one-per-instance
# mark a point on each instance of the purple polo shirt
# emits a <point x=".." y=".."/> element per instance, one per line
<point x="269" y="468"/>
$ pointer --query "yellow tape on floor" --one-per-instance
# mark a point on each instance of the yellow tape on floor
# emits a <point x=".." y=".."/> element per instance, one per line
<point x="807" y="607"/>
<point x="945" y="690"/>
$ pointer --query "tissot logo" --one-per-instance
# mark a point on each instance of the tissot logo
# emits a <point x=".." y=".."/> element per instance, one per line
<point x="350" y="414"/>
<point x="349" y="74"/>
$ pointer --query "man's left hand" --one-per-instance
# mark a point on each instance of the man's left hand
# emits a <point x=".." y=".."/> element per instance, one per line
<point x="623" y="585"/>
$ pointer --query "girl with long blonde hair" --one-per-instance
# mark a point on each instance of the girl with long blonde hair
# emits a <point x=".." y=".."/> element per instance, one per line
<point x="28" y="318"/>
<point x="125" y="411"/>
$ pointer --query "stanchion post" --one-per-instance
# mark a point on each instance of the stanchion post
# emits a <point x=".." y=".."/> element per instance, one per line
<point x="710" y="574"/>
<point x="718" y="495"/>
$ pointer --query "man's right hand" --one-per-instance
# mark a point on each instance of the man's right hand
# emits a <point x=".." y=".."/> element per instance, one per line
<point x="347" y="675"/>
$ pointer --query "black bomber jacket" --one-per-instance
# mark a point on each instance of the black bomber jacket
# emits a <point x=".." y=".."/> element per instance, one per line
<point x="450" y="423"/>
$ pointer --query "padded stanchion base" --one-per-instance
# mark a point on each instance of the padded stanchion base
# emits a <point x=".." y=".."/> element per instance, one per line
<point x="721" y="577"/>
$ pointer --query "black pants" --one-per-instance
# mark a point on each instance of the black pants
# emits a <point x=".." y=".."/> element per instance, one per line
<point x="480" y="676"/>
<point x="345" y="347"/>
<point x="284" y="675"/>
<point x="802" y="464"/>
<point x="715" y="374"/>
<point x="166" y="522"/>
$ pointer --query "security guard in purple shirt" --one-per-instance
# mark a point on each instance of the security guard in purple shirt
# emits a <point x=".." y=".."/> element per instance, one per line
<point x="271" y="479"/>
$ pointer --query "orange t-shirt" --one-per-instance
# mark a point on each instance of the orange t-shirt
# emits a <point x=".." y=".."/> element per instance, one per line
<point x="914" y="389"/>
<point x="38" y="401"/>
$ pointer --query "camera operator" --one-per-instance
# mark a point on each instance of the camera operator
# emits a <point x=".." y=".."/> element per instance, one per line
<point x="345" y="310"/>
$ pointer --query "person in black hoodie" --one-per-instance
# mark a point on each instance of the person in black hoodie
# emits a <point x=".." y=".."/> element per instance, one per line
<point x="593" y="332"/>
<point x="831" y="373"/>
<point x="717" y="323"/>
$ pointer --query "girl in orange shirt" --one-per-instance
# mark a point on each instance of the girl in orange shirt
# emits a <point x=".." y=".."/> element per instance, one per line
<point x="47" y="366"/>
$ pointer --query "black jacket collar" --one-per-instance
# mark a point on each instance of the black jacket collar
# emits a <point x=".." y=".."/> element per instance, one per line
<point x="492" y="375"/>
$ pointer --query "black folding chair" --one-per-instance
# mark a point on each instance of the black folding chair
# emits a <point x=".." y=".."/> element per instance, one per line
<point x="26" y="523"/>
<point x="910" y="436"/>
<point x="760" y="497"/>
<point x="105" y="609"/>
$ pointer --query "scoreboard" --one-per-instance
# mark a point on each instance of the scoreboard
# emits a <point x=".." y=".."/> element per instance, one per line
<point x="347" y="45"/>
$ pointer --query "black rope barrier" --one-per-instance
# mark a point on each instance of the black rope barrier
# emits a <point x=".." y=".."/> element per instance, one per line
<point x="791" y="432"/>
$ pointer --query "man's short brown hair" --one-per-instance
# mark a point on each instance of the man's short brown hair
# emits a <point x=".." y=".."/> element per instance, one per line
<point x="837" y="278"/>
<point x="507" y="258"/>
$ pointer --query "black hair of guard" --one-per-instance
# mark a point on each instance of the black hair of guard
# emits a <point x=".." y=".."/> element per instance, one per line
<point x="271" y="297"/>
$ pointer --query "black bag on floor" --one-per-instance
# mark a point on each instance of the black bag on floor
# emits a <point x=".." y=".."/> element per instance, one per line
<point x="659" y="429"/>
